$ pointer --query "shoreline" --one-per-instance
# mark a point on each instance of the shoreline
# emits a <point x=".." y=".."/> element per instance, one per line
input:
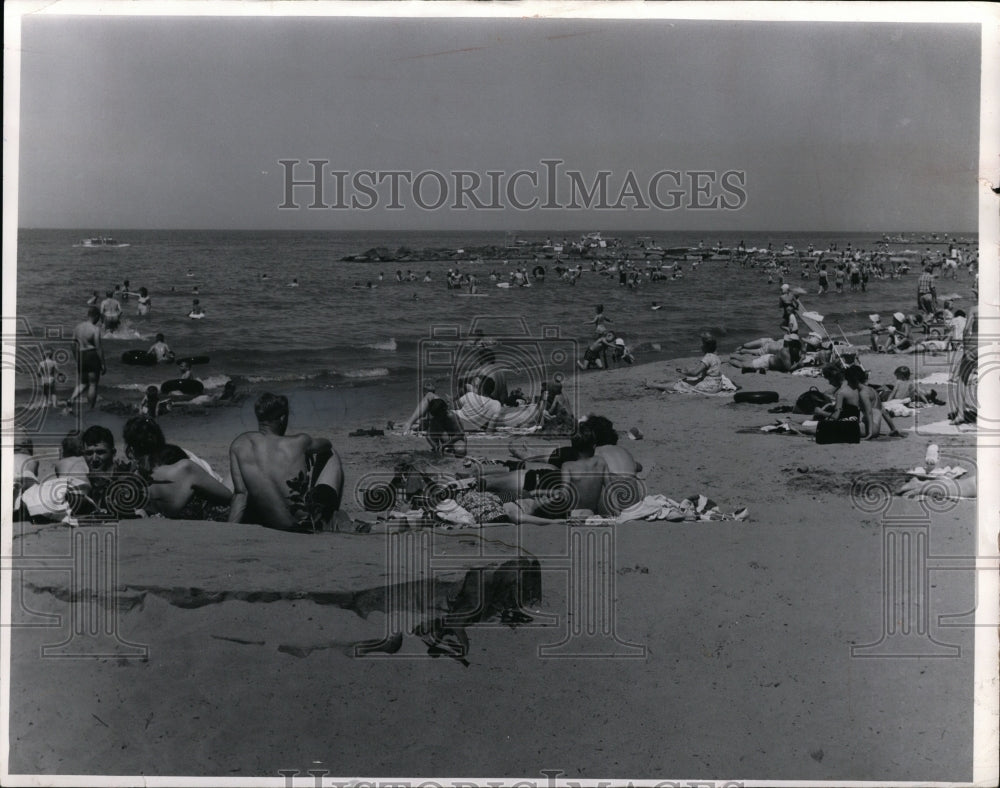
<point x="618" y="394"/>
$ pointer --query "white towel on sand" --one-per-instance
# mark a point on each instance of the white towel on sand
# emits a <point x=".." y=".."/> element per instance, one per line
<point x="944" y="427"/>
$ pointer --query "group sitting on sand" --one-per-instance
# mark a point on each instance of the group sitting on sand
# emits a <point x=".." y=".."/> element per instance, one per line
<point x="479" y="411"/>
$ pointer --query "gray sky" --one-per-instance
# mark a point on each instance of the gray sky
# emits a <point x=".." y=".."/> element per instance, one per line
<point x="180" y="123"/>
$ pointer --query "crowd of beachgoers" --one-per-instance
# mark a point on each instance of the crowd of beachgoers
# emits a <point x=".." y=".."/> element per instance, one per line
<point x="296" y="481"/>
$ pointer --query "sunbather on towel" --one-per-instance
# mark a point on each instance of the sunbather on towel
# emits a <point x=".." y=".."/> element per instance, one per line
<point x="788" y="359"/>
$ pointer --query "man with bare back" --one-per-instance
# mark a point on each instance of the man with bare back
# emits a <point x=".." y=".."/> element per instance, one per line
<point x="581" y="488"/>
<point x="289" y="482"/>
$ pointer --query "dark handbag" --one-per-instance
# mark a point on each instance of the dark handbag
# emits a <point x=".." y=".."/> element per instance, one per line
<point x="808" y="401"/>
<point x="838" y="431"/>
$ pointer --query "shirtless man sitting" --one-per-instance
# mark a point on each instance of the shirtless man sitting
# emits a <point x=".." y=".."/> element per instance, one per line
<point x="266" y="466"/>
<point x="581" y="489"/>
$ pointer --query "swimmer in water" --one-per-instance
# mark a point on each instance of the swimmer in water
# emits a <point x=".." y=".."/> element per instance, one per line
<point x="190" y="272"/>
<point x="145" y="302"/>
<point x="196" y="310"/>
<point x="161" y="349"/>
<point x="656" y="305"/>
<point x="264" y="277"/>
<point x="185" y="369"/>
<point x="294" y="282"/>
<point x="195" y="290"/>
<point x="599" y="321"/>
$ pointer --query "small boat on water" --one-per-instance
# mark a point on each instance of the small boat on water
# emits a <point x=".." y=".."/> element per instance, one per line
<point x="100" y="242"/>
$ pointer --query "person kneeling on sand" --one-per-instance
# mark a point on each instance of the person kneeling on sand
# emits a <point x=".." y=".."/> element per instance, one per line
<point x="275" y="475"/>
<point x="580" y="489"/>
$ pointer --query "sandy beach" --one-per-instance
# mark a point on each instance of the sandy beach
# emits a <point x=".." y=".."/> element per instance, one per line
<point x="734" y="639"/>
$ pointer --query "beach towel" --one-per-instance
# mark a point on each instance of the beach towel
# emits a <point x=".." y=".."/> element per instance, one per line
<point x="943" y="427"/>
<point x="780" y="427"/>
<point x="707" y="387"/>
<point x="897" y="407"/>
<point x="693" y="508"/>
<point x="936" y="378"/>
<point x="808" y="372"/>
<point x="54" y="498"/>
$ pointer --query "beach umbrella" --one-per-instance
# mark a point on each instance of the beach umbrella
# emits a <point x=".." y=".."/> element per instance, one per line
<point x="815" y="322"/>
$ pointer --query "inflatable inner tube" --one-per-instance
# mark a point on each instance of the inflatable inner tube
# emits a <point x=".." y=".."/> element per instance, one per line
<point x="189" y="387"/>
<point x="756" y="397"/>
<point x="138" y="358"/>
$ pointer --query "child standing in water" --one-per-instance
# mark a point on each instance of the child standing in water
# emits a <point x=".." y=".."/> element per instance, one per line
<point x="600" y="321"/>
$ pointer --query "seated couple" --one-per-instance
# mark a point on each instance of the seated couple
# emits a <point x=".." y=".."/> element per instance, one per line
<point x="545" y="477"/>
<point x="853" y="399"/>
<point x="585" y="484"/>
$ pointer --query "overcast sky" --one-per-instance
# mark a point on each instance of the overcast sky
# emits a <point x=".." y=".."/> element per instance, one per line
<point x="180" y="123"/>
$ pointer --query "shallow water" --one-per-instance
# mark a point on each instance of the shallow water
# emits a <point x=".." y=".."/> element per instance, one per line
<point x="327" y="334"/>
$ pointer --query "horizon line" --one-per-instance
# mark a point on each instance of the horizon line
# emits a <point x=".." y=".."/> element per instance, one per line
<point x="645" y="230"/>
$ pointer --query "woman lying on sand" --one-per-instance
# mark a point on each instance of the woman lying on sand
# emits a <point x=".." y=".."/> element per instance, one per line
<point x="788" y="359"/>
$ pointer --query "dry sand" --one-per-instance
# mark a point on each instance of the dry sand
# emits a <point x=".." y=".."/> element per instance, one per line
<point x="743" y="629"/>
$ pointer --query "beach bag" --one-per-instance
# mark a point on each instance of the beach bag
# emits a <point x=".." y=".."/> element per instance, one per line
<point x="838" y="431"/>
<point x="808" y="401"/>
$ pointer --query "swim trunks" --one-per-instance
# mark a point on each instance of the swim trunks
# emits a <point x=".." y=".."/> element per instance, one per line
<point x="90" y="362"/>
